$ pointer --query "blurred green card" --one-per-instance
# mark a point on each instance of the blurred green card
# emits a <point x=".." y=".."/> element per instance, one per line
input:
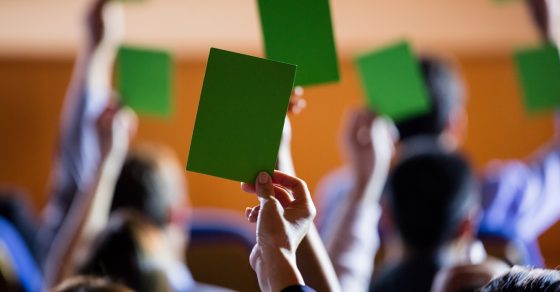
<point x="538" y="70"/>
<point x="300" y="32"/>
<point x="240" y="116"/>
<point x="393" y="82"/>
<point x="144" y="78"/>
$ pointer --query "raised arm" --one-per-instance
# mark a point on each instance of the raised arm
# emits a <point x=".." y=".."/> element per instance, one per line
<point x="89" y="212"/>
<point x="312" y="257"/>
<point x="521" y="199"/>
<point x="78" y="155"/>
<point x="353" y="240"/>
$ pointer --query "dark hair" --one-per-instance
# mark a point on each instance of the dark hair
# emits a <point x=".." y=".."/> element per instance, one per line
<point x="445" y="93"/>
<point x="538" y="10"/>
<point x="430" y="194"/>
<point x="118" y="254"/>
<point x="90" y="284"/>
<point x="150" y="183"/>
<point x="525" y="279"/>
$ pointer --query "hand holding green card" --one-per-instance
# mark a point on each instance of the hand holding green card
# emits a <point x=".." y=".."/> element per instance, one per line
<point x="240" y="116"/>
<point x="300" y="32"/>
<point x="539" y="73"/>
<point x="393" y="82"/>
<point x="144" y="80"/>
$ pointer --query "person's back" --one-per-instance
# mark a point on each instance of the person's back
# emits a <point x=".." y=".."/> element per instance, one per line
<point x="433" y="201"/>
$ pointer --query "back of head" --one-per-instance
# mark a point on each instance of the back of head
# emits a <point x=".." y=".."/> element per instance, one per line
<point x="525" y="279"/>
<point x="430" y="195"/>
<point x="151" y="183"/>
<point x="445" y="94"/>
<point x="90" y="284"/>
<point x="122" y="253"/>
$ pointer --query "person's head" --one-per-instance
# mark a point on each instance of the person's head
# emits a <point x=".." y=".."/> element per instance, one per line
<point x="151" y="182"/>
<point x="90" y="284"/>
<point x="446" y="115"/>
<point x="433" y="200"/>
<point x="525" y="279"/>
<point x="131" y="251"/>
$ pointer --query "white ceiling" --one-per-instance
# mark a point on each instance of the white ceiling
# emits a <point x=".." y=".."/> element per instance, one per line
<point x="52" y="28"/>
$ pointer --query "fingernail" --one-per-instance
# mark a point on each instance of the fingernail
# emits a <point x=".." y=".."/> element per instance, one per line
<point x="263" y="178"/>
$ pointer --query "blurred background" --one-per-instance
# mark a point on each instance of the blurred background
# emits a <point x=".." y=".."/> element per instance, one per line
<point x="39" y="40"/>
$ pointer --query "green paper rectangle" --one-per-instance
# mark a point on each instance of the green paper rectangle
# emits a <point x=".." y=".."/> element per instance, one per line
<point x="144" y="80"/>
<point x="393" y="82"/>
<point x="240" y="116"/>
<point x="300" y="32"/>
<point x="538" y="70"/>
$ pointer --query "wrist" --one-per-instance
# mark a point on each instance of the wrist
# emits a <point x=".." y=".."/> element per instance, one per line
<point x="283" y="268"/>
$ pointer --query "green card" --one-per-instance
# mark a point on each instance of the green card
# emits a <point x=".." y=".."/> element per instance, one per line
<point x="240" y="116"/>
<point x="393" y="82"/>
<point x="300" y="32"/>
<point x="538" y="70"/>
<point x="144" y="80"/>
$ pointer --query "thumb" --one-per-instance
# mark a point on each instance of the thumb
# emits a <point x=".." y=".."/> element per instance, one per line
<point x="264" y="187"/>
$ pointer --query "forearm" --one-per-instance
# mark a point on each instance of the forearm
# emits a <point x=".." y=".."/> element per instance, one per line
<point x="87" y="216"/>
<point x="355" y="241"/>
<point x="315" y="264"/>
<point x="281" y="269"/>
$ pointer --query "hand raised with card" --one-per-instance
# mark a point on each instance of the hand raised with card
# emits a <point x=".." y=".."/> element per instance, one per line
<point x="283" y="218"/>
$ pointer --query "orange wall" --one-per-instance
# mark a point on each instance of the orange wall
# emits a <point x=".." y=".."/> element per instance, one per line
<point x="31" y="93"/>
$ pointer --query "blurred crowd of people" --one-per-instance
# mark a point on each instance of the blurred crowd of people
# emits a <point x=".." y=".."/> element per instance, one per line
<point x="116" y="217"/>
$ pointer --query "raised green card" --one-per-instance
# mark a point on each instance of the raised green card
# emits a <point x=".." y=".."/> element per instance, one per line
<point x="538" y="70"/>
<point x="393" y="83"/>
<point x="240" y="116"/>
<point x="144" y="80"/>
<point x="300" y="32"/>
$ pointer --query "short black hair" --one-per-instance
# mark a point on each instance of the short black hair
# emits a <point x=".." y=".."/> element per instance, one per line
<point x="525" y="279"/>
<point x="139" y="187"/>
<point x="445" y="93"/>
<point x="430" y="194"/>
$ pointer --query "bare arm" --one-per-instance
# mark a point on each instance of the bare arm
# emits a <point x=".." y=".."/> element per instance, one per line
<point x="354" y="240"/>
<point x="312" y="258"/>
<point x="89" y="213"/>
<point x="78" y="155"/>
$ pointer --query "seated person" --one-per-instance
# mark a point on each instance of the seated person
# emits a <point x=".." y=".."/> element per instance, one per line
<point x="151" y="183"/>
<point x="504" y="186"/>
<point x="434" y="202"/>
<point x="526" y="280"/>
<point x="132" y="251"/>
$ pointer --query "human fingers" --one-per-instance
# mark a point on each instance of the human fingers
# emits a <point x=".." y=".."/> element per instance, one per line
<point x="263" y="186"/>
<point x="297" y="186"/>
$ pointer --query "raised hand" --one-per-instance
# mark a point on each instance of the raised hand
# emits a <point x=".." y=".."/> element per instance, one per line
<point x="283" y="218"/>
<point x="357" y="143"/>
<point x="105" y="22"/>
<point x="116" y="126"/>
